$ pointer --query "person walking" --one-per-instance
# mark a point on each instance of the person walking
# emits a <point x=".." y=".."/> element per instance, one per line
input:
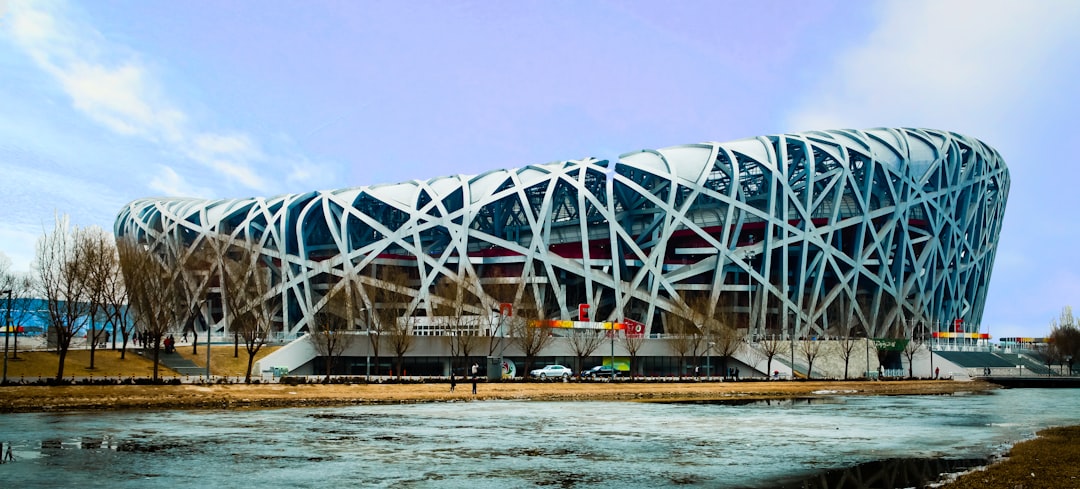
<point x="453" y="381"/>
<point x="8" y="456"/>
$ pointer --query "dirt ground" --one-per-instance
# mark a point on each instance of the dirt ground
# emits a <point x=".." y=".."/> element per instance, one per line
<point x="1051" y="461"/>
<point x="89" y="397"/>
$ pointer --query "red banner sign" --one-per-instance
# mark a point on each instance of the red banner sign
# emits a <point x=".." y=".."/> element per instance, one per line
<point x="634" y="329"/>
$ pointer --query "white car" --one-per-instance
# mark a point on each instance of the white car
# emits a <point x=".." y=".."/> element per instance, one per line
<point x="552" y="371"/>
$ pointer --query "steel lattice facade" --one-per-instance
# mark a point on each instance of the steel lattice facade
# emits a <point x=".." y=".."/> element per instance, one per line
<point x="896" y="225"/>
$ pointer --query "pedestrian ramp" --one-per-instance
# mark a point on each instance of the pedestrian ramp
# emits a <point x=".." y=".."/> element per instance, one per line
<point x="975" y="359"/>
<point x="177" y="362"/>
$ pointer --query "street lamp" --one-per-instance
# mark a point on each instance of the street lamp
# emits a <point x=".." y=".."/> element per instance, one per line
<point x="367" y="358"/>
<point x="708" y="362"/>
<point x="7" y="331"/>
<point x="749" y="289"/>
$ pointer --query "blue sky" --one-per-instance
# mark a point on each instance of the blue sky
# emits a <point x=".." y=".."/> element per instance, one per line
<point x="105" y="102"/>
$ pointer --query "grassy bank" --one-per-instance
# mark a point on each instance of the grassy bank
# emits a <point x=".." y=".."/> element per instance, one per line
<point x="92" y="397"/>
<point x="30" y="366"/>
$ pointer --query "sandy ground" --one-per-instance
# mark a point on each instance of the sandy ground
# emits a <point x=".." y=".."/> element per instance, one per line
<point x="78" y="397"/>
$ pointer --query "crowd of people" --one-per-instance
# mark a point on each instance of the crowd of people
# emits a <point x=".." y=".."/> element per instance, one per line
<point x="143" y="339"/>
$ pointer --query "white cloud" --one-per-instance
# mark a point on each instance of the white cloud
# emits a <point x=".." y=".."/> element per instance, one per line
<point x="110" y="85"/>
<point x="20" y="246"/>
<point x="931" y="62"/>
<point x="228" y="154"/>
<point x="119" y="99"/>
<point x="171" y="184"/>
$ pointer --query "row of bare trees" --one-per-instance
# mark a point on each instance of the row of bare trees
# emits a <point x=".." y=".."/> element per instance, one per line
<point x="88" y="283"/>
<point x="1064" y="340"/>
<point x="85" y="280"/>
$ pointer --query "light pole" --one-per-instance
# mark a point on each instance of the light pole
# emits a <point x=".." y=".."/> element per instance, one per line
<point x="612" y="330"/>
<point x="367" y="359"/>
<point x="208" y="330"/>
<point x="7" y="330"/>
<point x="750" y="288"/>
<point x="930" y="348"/>
<point x="867" y="331"/>
<point x="708" y="360"/>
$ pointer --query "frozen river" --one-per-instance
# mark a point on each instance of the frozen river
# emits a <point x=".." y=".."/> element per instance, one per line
<point x="517" y="444"/>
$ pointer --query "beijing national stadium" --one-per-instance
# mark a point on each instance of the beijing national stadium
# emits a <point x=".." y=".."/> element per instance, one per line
<point x="879" y="233"/>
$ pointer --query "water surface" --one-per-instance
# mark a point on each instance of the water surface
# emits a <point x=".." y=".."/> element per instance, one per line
<point x="518" y="443"/>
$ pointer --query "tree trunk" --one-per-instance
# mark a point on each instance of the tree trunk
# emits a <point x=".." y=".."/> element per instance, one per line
<point x="157" y="350"/>
<point x="92" y="337"/>
<point x="60" y="369"/>
<point x="251" y="361"/>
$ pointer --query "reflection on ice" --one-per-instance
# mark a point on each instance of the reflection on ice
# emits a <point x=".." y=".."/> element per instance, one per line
<point x="898" y="473"/>
<point x="474" y="445"/>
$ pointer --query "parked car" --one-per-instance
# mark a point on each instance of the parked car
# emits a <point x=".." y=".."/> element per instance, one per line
<point x="552" y="371"/>
<point x="598" y="371"/>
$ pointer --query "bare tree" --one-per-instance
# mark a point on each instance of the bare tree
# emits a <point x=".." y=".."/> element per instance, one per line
<point x="718" y="327"/>
<point x="247" y="295"/>
<point x="200" y="261"/>
<point x="529" y="330"/>
<point x="390" y="297"/>
<point x="912" y="349"/>
<point x="116" y="307"/>
<point x="99" y="265"/>
<point x="17" y="305"/>
<point x="846" y="323"/>
<point x="810" y="350"/>
<point x="461" y="327"/>
<point x="62" y="286"/>
<point x="584" y="342"/>
<point x="1065" y="337"/>
<point x="771" y="344"/>
<point x="684" y="337"/>
<point x="153" y="290"/>
<point x="332" y="331"/>
<point x="498" y="327"/>
<point x="633" y="344"/>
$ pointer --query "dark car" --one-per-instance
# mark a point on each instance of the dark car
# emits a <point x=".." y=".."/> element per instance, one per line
<point x="598" y="371"/>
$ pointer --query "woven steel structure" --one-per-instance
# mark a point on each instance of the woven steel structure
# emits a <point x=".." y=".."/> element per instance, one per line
<point x="783" y="234"/>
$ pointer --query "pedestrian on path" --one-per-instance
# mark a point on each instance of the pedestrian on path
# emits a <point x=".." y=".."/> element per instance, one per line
<point x="8" y="456"/>
<point x="453" y="382"/>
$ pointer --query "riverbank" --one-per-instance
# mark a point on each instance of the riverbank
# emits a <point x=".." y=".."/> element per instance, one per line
<point x="188" y="396"/>
<point x="1050" y="461"/>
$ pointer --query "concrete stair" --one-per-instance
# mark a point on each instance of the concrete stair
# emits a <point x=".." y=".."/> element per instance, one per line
<point x="176" y="362"/>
